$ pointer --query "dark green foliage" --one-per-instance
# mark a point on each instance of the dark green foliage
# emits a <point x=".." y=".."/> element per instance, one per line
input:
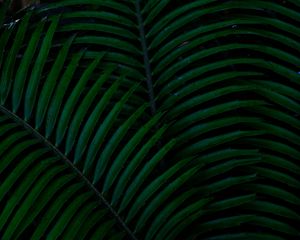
<point x="151" y="119"/>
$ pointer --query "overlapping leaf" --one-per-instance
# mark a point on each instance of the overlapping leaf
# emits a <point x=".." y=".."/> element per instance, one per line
<point x="150" y="120"/>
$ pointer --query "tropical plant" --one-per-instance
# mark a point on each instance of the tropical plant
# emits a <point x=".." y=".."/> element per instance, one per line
<point x="152" y="119"/>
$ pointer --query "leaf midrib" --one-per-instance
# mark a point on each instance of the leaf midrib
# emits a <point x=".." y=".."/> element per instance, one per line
<point x="146" y="57"/>
<point x="57" y="152"/>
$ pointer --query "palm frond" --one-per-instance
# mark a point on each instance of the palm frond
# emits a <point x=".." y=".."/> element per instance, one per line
<point x="150" y="120"/>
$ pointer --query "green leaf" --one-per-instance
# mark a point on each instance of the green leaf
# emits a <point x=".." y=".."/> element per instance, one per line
<point x="55" y="209"/>
<point x="50" y="83"/>
<point x="56" y="102"/>
<point x="143" y="174"/>
<point x="92" y="121"/>
<point x="166" y="213"/>
<point x="134" y="164"/>
<point x="156" y="185"/>
<point x="125" y="153"/>
<point x="181" y="216"/>
<point x="275" y="225"/>
<point x="101" y="134"/>
<point x="163" y="195"/>
<point x="82" y="110"/>
<point x="263" y="206"/>
<point x="67" y="215"/>
<point x="23" y="70"/>
<point x="226" y="222"/>
<point x="151" y="119"/>
<point x="8" y="68"/>
<point x="32" y="88"/>
<point x="73" y="99"/>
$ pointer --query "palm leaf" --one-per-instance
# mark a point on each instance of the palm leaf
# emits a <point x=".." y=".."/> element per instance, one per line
<point x="147" y="119"/>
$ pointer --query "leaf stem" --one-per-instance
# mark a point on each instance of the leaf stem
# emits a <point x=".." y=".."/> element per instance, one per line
<point x="48" y="144"/>
<point x="146" y="57"/>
